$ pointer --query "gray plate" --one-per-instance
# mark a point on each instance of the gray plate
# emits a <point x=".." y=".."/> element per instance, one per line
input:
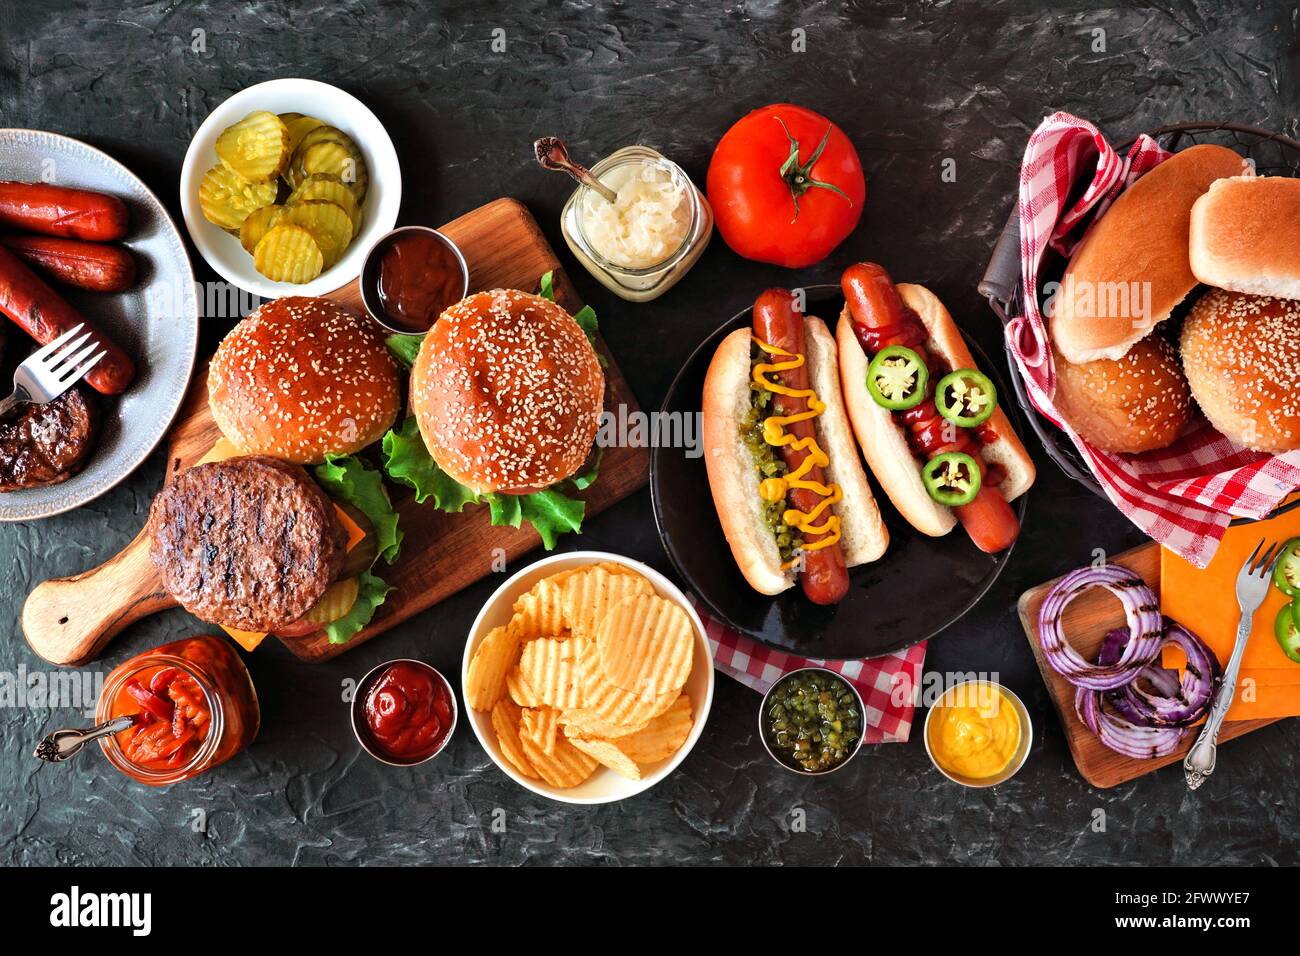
<point x="156" y="322"/>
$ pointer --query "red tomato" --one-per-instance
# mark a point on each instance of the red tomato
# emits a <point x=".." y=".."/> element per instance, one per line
<point x="786" y="186"/>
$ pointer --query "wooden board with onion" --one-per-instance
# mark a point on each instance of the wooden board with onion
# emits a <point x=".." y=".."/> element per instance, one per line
<point x="1087" y="619"/>
<point x="70" y="620"/>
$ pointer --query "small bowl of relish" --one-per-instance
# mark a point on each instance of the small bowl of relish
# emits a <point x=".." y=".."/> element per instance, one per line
<point x="811" y="721"/>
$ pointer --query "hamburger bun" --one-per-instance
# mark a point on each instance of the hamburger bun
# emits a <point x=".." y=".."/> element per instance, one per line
<point x="733" y="479"/>
<point x="1241" y="354"/>
<point x="302" y="378"/>
<point x="1245" y="236"/>
<point x="1132" y="268"/>
<point x="1132" y="404"/>
<point x="507" y="392"/>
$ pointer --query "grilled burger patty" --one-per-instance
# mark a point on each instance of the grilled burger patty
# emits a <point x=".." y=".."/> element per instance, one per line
<point x="47" y="444"/>
<point x="252" y="543"/>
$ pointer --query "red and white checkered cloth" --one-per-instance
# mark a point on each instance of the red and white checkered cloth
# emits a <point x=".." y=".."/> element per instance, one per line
<point x="1182" y="496"/>
<point x="887" y="684"/>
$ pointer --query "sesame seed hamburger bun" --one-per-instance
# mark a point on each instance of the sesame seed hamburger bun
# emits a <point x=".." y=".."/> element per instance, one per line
<point x="1132" y="404"/>
<point x="1241" y="354"/>
<point x="301" y="378"/>
<point x="507" y="392"/>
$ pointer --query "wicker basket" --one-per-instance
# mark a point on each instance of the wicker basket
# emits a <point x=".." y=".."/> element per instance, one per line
<point x="1274" y="155"/>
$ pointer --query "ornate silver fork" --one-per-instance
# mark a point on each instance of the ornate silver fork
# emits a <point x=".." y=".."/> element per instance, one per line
<point x="1252" y="588"/>
<point x="52" y="369"/>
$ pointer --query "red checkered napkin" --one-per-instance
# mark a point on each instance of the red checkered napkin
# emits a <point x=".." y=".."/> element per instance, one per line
<point x="1182" y="496"/>
<point x="887" y="684"/>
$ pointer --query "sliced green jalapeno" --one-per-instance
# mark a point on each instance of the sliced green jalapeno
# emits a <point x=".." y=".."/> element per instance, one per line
<point x="952" y="479"/>
<point x="966" y="397"/>
<point x="897" y="378"/>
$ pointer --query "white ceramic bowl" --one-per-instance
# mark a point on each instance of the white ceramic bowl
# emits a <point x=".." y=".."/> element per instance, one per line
<point x="603" y="786"/>
<point x="223" y="252"/>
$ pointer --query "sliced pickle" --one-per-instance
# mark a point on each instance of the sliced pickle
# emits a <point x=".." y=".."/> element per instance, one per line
<point x="288" y="253"/>
<point x="256" y="225"/>
<point x="329" y="187"/>
<point x="337" y="159"/>
<point x="318" y="134"/>
<point x="227" y="198"/>
<point x="329" y="150"/>
<point x="299" y="126"/>
<point x="328" y="223"/>
<point x="257" y="147"/>
<point x="336" y="602"/>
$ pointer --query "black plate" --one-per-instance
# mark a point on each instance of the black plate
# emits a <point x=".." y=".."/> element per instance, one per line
<point x="921" y="585"/>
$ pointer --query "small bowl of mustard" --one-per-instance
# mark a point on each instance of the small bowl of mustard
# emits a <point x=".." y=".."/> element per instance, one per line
<point x="978" y="734"/>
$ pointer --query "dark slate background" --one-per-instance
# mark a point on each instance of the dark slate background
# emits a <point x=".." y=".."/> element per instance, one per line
<point x="912" y="84"/>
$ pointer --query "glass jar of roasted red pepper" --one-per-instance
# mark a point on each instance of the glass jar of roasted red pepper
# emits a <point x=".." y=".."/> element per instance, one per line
<point x="194" y="707"/>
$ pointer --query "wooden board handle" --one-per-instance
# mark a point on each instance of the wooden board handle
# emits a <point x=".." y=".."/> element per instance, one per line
<point x="68" y="621"/>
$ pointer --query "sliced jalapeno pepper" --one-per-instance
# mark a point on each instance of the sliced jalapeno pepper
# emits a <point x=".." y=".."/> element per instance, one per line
<point x="952" y="479"/>
<point x="897" y="378"/>
<point x="1287" y="629"/>
<point x="1286" y="573"/>
<point x="966" y="397"/>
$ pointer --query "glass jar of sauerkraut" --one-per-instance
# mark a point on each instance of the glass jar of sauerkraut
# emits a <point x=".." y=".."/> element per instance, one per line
<point x="643" y="242"/>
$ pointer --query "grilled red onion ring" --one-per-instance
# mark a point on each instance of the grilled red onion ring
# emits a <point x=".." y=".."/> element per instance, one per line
<point x="1121" y="736"/>
<point x="1178" y="700"/>
<point x="1145" y="627"/>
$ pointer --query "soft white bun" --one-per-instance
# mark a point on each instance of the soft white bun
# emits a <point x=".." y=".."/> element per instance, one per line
<point x="734" y="481"/>
<point x="1241" y="354"/>
<point x="1132" y="268"/>
<point x="883" y="441"/>
<point x="1133" y="404"/>
<point x="1246" y="236"/>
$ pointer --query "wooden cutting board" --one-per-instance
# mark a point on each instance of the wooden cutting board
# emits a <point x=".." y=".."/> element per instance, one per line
<point x="1087" y="619"/>
<point x="70" y="620"/>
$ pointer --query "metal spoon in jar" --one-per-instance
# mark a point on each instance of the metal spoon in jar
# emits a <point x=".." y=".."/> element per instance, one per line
<point x="553" y="154"/>
<point x="59" y="745"/>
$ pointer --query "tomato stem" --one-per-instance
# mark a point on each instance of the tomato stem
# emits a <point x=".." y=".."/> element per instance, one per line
<point x="800" y="179"/>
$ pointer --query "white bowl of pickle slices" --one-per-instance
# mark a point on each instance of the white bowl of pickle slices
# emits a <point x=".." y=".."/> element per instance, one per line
<point x="287" y="184"/>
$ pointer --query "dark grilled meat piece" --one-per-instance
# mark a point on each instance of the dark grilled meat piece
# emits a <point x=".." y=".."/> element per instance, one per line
<point x="252" y="543"/>
<point x="47" y="444"/>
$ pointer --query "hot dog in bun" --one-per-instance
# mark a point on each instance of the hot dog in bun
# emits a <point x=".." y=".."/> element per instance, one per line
<point x="786" y="479"/>
<point x="926" y="418"/>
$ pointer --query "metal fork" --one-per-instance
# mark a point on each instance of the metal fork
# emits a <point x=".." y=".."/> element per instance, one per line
<point x="53" y="369"/>
<point x="1252" y="588"/>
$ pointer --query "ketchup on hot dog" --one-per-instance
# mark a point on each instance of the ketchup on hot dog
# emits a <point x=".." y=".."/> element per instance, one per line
<point x="880" y="319"/>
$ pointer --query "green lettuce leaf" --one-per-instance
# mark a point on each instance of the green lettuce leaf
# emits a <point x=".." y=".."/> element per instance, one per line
<point x="404" y="348"/>
<point x="371" y="592"/>
<point x="550" y="511"/>
<point x="349" y="479"/>
<point x="407" y="459"/>
<point x="587" y="477"/>
<point x="546" y="286"/>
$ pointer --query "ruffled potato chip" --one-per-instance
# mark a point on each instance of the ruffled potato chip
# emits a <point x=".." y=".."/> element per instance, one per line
<point x="608" y="754"/>
<point x="550" y="666"/>
<point x="485" y="682"/>
<point x="589" y="594"/>
<point x="540" y="725"/>
<point x="661" y="738"/>
<point x="566" y="767"/>
<point x="505" y="721"/>
<point x="646" y="645"/>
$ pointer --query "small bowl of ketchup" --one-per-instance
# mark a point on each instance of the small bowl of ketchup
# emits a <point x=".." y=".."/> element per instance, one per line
<point x="404" y="713"/>
<point x="410" y="276"/>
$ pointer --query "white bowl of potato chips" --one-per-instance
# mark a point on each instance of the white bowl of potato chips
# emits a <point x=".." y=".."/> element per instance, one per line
<point x="587" y="677"/>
